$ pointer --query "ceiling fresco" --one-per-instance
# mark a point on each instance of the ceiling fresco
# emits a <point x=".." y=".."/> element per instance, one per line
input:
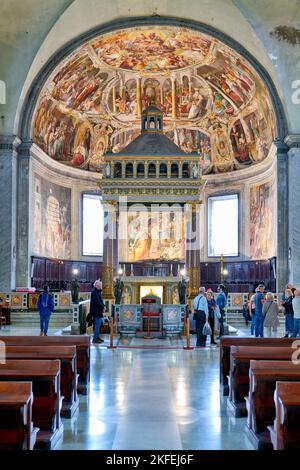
<point x="214" y="102"/>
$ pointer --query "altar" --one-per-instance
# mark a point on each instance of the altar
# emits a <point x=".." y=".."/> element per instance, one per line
<point x="151" y="199"/>
<point x="136" y="320"/>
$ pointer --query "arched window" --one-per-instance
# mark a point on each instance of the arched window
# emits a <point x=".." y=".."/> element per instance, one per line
<point x="118" y="170"/>
<point x="152" y="123"/>
<point x="185" y="170"/>
<point x="174" y="170"/>
<point x="140" y="170"/>
<point x="163" y="170"/>
<point x="152" y="170"/>
<point x="129" y="170"/>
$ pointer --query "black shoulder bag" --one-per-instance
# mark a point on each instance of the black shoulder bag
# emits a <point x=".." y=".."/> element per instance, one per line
<point x="196" y="314"/>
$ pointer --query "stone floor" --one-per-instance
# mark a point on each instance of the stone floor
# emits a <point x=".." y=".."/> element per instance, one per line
<point x="141" y="398"/>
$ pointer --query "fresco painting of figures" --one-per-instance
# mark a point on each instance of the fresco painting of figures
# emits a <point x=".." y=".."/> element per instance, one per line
<point x="51" y="219"/>
<point x="154" y="234"/>
<point x="98" y="92"/>
<point x="262" y="221"/>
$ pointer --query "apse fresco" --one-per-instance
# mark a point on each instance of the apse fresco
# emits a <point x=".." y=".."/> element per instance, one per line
<point x="153" y="235"/>
<point x="214" y="102"/>
<point x="51" y="219"/>
<point x="262" y="221"/>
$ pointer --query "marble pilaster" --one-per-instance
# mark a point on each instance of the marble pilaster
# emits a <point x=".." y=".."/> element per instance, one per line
<point x="8" y="210"/>
<point x="293" y="209"/>
<point x="282" y="214"/>
<point x="22" y="256"/>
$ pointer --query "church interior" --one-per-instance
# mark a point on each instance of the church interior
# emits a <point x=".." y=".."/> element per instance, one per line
<point x="149" y="163"/>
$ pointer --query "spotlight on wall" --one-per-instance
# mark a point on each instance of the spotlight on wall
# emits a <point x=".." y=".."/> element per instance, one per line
<point x="120" y="271"/>
<point x="225" y="272"/>
<point x="75" y="271"/>
<point x="183" y="272"/>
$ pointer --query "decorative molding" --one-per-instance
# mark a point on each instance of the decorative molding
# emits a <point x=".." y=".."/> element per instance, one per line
<point x="293" y="141"/>
<point x="9" y="143"/>
<point x="281" y="146"/>
<point x="58" y="168"/>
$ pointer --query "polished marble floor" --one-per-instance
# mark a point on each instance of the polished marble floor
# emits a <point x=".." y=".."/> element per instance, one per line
<point x="141" y="398"/>
<point x="154" y="399"/>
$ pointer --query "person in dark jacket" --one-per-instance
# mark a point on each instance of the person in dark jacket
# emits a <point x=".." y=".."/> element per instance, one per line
<point x="211" y="313"/>
<point x="288" y="312"/>
<point x="97" y="310"/>
<point x="45" y="306"/>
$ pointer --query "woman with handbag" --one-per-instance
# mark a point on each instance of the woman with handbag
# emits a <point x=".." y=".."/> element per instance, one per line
<point x="270" y="311"/>
<point x="200" y="307"/>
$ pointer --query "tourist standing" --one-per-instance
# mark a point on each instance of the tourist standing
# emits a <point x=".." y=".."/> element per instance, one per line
<point x="45" y="305"/>
<point x="211" y="313"/>
<point x="270" y="311"/>
<point x="252" y="312"/>
<point x="259" y="299"/>
<point x="97" y="310"/>
<point x="296" y="308"/>
<point x="287" y="303"/>
<point x="200" y="307"/>
<point x="221" y="302"/>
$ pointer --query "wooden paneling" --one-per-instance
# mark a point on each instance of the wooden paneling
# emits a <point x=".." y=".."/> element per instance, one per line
<point x="59" y="274"/>
<point x="243" y="276"/>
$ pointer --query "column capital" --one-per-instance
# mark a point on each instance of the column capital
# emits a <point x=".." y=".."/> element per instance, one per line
<point x="293" y="140"/>
<point x="24" y="149"/>
<point x="9" y="143"/>
<point x="281" y="146"/>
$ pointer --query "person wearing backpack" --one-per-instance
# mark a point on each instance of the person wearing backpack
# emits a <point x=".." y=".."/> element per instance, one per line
<point x="45" y="306"/>
<point x="200" y="307"/>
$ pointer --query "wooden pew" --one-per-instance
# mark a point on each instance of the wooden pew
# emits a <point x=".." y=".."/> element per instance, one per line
<point x="227" y="341"/>
<point x="285" y="434"/>
<point x="82" y="344"/>
<point x="45" y="378"/>
<point x="240" y="357"/>
<point x="260" y="400"/>
<point x="16" y="427"/>
<point x="68" y="373"/>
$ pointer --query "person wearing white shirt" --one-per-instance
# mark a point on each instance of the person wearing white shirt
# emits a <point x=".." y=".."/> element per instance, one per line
<point x="296" y="308"/>
<point x="200" y="307"/>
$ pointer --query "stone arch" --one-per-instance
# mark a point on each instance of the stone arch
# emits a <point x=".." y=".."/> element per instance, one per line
<point x="27" y="110"/>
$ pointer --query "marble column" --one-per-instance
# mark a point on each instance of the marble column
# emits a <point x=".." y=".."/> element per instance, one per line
<point x="293" y="208"/>
<point x="116" y="241"/>
<point x="108" y="255"/>
<point x="8" y="210"/>
<point x="193" y="249"/>
<point x="282" y="215"/>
